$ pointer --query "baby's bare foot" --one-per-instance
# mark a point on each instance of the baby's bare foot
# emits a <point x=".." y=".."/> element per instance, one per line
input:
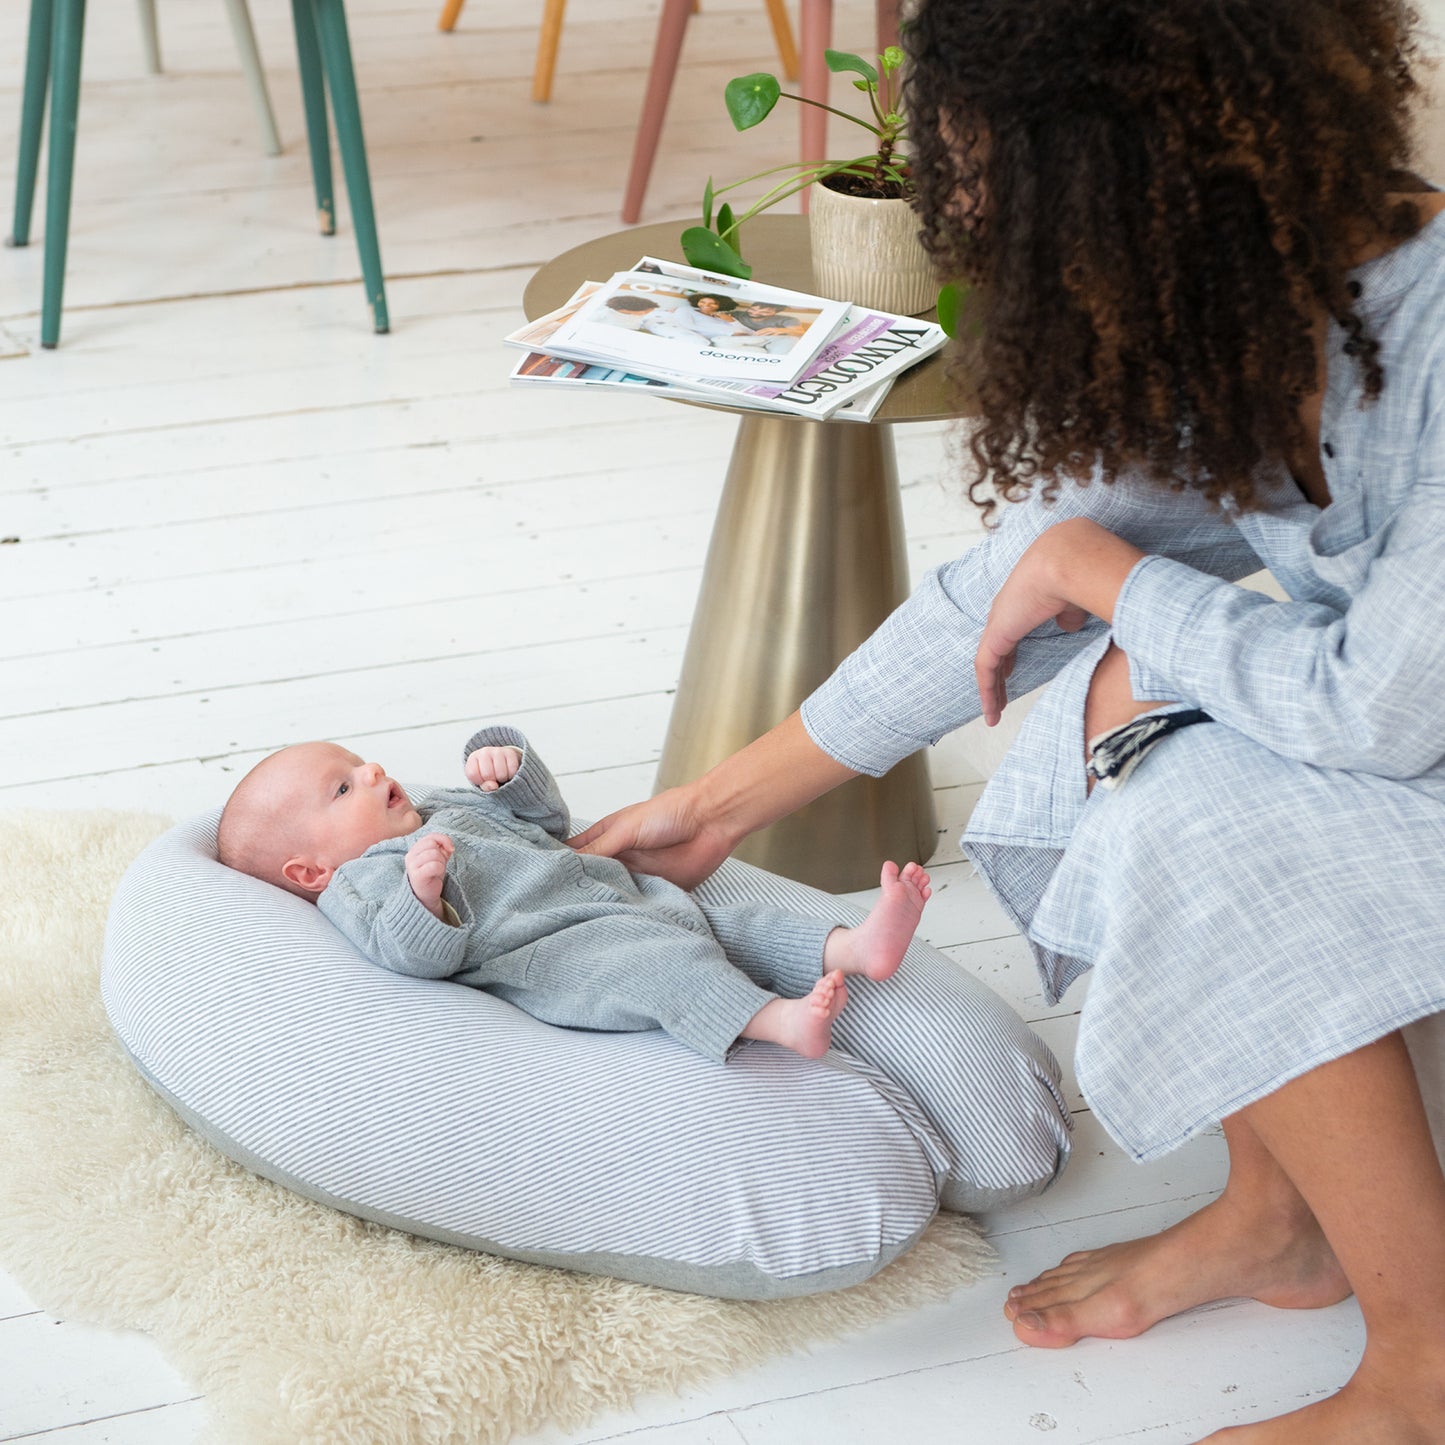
<point x="876" y="947"/>
<point x="1218" y="1253"/>
<point x="804" y="1025"/>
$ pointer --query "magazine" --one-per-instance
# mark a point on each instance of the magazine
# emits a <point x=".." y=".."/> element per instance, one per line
<point x="661" y="325"/>
<point x="861" y="404"/>
<point x="870" y="350"/>
<point x="848" y="376"/>
<point x="535" y="334"/>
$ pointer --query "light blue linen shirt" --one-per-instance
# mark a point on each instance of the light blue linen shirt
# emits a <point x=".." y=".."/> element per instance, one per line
<point x="1342" y="680"/>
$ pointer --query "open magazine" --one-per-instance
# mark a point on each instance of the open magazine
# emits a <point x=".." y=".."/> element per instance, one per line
<point x="843" y="371"/>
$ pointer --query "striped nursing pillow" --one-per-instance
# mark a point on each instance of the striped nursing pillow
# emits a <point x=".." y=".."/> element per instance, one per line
<point x="445" y="1112"/>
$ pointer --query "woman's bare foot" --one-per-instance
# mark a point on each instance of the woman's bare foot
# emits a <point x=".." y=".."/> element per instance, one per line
<point x="804" y="1025"/>
<point x="1222" y="1252"/>
<point x="1386" y="1403"/>
<point x="877" y="945"/>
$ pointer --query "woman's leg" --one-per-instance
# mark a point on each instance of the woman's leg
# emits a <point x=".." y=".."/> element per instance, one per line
<point x="1352" y="1139"/>
<point x="1257" y="1240"/>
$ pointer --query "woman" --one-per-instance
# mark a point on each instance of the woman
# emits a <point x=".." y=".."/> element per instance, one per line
<point x="1212" y="312"/>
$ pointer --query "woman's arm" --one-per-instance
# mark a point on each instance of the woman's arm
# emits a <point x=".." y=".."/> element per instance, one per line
<point x="908" y="685"/>
<point x="1357" y="689"/>
<point x="683" y="834"/>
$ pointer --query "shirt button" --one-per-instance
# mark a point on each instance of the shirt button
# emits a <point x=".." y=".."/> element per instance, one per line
<point x="1329" y="450"/>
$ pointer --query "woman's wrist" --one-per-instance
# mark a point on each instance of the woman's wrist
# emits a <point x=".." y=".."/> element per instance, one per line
<point x="772" y="776"/>
<point x="1088" y="565"/>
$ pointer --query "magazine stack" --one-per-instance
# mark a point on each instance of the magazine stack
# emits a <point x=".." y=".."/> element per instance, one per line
<point x="700" y="337"/>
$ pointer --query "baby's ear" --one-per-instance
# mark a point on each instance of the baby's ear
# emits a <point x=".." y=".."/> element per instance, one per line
<point x="312" y="877"/>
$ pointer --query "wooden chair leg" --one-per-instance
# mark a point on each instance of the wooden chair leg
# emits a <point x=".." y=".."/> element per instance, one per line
<point x="150" y="36"/>
<point x="240" y="17"/>
<point x="815" y="32"/>
<point x="346" y="111"/>
<point x="32" y="116"/>
<point x="886" y="13"/>
<point x="313" y="100"/>
<point x="549" y="38"/>
<point x="671" y="25"/>
<point x="448" y="17"/>
<point x="783" y="37"/>
<point x="66" y="45"/>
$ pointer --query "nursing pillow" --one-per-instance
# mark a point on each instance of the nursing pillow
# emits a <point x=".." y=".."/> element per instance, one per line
<point x="443" y="1111"/>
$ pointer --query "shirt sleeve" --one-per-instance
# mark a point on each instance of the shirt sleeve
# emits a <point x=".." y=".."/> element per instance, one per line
<point x="531" y="793"/>
<point x="913" y="680"/>
<point x="371" y="902"/>
<point x="1357" y="689"/>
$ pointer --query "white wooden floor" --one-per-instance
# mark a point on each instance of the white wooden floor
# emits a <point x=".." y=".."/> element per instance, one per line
<point x="233" y="517"/>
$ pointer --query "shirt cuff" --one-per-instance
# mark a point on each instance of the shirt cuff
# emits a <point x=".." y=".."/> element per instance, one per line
<point x="420" y="934"/>
<point x="837" y="725"/>
<point x="1155" y="623"/>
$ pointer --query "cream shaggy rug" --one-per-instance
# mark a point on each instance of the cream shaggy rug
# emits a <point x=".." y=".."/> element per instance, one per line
<point x="303" y="1326"/>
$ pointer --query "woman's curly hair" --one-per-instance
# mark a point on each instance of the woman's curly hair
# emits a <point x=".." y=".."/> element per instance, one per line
<point x="1155" y="199"/>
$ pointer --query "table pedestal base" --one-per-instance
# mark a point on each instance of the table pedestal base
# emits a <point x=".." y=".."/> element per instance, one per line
<point x="806" y="559"/>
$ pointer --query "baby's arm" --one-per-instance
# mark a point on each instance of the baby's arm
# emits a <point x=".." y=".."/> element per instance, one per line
<point x="372" y="901"/>
<point x="426" y="871"/>
<point x="530" y="792"/>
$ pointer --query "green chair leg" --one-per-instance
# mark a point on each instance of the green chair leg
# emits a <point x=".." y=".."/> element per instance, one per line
<point x="313" y="98"/>
<point x="32" y="117"/>
<point x="346" y="110"/>
<point x="64" y="109"/>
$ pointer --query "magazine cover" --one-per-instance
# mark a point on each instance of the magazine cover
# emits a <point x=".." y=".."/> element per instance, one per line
<point x="647" y="322"/>
<point x="870" y="350"/>
<point x="538" y="366"/>
<point x="535" y="334"/>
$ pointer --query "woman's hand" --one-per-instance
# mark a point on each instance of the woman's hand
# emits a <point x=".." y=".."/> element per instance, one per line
<point x="1074" y="569"/>
<point x="664" y="835"/>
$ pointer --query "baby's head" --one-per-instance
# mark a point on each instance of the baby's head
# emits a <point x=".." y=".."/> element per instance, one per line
<point x="298" y="815"/>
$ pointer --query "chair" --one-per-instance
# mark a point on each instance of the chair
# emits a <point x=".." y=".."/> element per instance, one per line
<point x="816" y="29"/>
<point x="551" y="35"/>
<point x="241" y="28"/>
<point x="323" y="50"/>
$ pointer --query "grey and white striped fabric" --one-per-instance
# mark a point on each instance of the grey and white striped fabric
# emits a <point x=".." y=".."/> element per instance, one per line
<point x="447" y="1112"/>
<point x="1267" y="892"/>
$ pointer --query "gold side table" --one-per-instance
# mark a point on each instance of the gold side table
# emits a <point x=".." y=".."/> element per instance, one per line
<point x="806" y="559"/>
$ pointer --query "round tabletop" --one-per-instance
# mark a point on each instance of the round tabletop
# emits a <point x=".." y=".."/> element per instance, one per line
<point x="777" y="250"/>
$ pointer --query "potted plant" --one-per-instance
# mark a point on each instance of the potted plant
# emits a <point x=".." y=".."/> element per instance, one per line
<point x="861" y="223"/>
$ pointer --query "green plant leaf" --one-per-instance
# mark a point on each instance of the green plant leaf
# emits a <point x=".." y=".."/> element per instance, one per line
<point x="725" y="224"/>
<point x="751" y="98"/>
<point x="891" y="59"/>
<point x="703" y="249"/>
<point x="950" y="306"/>
<point x="839" y="60"/>
<point x="707" y="204"/>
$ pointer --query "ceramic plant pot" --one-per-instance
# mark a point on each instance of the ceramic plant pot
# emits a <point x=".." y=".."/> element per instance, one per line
<point x="868" y="252"/>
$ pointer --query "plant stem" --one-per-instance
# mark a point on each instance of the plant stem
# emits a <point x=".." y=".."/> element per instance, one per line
<point x="832" y="110"/>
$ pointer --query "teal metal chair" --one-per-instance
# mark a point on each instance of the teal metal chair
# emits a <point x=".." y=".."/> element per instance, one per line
<point x="323" y="50"/>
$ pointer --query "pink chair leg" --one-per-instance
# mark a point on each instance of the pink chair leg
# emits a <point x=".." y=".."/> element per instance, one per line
<point x="670" y="27"/>
<point x="815" y="30"/>
<point x="887" y="13"/>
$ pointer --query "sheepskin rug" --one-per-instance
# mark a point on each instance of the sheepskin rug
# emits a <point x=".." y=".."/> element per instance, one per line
<point x="301" y="1325"/>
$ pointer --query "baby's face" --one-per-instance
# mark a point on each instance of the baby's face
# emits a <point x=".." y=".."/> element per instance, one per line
<point x="343" y="804"/>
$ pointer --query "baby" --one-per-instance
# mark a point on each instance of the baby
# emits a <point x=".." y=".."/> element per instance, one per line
<point x="479" y="886"/>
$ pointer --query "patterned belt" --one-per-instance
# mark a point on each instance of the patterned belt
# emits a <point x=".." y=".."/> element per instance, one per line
<point x="1115" y="754"/>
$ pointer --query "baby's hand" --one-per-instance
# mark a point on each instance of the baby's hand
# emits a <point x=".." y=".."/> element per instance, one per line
<point x="426" y="870"/>
<point x="489" y="768"/>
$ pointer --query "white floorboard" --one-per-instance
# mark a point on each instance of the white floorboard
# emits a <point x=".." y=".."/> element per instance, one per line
<point x="231" y="517"/>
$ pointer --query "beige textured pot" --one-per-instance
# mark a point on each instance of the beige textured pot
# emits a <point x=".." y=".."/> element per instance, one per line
<point x="868" y="252"/>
